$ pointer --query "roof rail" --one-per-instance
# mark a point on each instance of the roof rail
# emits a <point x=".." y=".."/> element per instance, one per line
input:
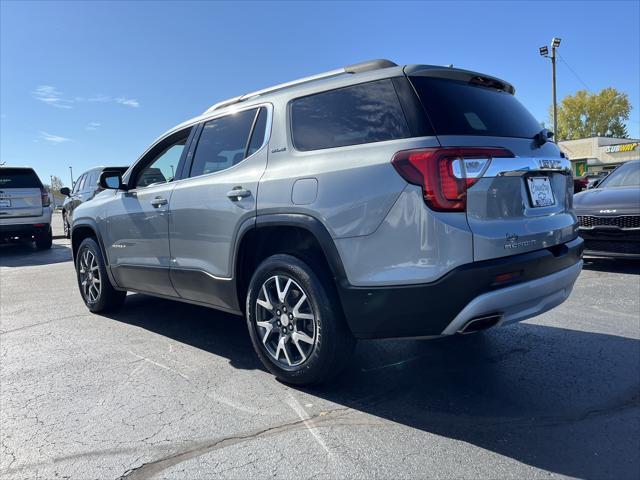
<point x="351" y="69"/>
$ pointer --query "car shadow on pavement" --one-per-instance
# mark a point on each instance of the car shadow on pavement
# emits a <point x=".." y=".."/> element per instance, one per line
<point x="612" y="265"/>
<point x="210" y="330"/>
<point x="561" y="400"/>
<point x="26" y="254"/>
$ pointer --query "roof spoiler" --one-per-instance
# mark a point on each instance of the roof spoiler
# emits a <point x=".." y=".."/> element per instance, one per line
<point x="349" y="69"/>
<point x="461" y="75"/>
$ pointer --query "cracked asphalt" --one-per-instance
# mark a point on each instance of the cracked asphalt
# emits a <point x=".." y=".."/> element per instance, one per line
<point x="166" y="390"/>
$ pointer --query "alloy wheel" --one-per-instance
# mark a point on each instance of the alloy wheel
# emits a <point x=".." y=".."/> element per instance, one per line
<point x="285" y="321"/>
<point x="89" y="276"/>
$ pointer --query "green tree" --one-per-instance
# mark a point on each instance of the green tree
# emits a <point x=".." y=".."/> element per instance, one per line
<point x="585" y="114"/>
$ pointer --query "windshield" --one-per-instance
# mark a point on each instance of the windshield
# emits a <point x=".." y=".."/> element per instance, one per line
<point x="627" y="175"/>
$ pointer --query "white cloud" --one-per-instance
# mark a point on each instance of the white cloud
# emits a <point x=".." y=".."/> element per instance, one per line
<point x="51" y="96"/>
<point x="129" y="102"/>
<point x="54" y="139"/>
<point x="98" y="98"/>
<point x="92" y="126"/>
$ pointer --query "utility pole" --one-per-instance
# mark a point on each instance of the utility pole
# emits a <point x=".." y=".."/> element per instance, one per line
<point x="544" y="51"/>
<point x="71" y="173"/>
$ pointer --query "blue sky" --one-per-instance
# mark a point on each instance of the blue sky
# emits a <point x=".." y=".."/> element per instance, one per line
<point x="93" y="83"/>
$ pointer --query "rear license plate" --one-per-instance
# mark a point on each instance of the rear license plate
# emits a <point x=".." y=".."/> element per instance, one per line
<point x="540" y="191"/>
<point x="5" y="203"/>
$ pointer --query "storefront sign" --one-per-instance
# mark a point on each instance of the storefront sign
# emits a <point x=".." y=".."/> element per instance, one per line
<point x="580" y="168"/>
<point x="626" y="147"/>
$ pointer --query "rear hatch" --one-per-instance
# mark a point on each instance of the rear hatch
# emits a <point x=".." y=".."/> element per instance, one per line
<point x="518" y="189"/>
<point x="21" y="193"/>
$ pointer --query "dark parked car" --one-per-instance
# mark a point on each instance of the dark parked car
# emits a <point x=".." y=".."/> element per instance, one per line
<point x="580" y="184"/>
<point x="85" y="188"/>
<point x="609" y="214"/>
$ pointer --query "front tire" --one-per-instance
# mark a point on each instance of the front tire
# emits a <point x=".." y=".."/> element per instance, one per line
<point x="95" y="288"/>
<point x="296" y="322"/>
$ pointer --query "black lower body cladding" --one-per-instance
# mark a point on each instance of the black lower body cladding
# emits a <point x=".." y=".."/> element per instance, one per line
<point x="427" y="309"/>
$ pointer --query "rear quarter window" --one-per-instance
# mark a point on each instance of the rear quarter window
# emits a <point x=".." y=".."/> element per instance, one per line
<point x="19" y="178"/>
<point x="462" y="108"/>
<point x="364" y="113"/>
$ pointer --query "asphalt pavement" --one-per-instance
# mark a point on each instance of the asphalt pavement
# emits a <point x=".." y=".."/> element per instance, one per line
<point x="169" y="390"/>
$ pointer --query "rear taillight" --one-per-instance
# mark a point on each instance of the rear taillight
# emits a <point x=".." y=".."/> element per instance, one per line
<point x="45" y="197"/>
<point x="445" y="174"/>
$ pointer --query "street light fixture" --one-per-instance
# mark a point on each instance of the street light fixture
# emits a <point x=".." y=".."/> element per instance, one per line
<point x="544" y="51"/>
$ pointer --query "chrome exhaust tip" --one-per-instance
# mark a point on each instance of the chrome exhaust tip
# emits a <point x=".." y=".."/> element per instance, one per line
<point x="478" y="324"/>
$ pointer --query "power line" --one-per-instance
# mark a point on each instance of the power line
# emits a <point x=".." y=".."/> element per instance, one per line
<point x="574" y="72"/>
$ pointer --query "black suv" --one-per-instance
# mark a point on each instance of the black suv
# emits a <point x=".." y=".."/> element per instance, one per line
<point x="85" y="188"/>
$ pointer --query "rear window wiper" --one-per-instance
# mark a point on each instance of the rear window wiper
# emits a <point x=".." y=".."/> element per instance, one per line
<point x="542" y="136"/>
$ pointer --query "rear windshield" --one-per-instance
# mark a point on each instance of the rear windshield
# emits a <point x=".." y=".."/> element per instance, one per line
<point x="460" y="108"/>
<point x="19" y="178"/>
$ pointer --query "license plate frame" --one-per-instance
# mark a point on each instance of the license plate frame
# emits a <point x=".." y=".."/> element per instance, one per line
<point x="540" y="192"/>
<point x="5" y="203"/>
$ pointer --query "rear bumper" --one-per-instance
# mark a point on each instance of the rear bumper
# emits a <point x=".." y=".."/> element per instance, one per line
<point x="23" y="230"/>
<point x="7" y="222"/>
<point x="541" y="280"/>
<point x="611" y="242"/>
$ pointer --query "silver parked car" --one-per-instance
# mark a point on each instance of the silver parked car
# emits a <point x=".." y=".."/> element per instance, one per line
<point x="25" y="207"/>
<point x="372" y="201"/>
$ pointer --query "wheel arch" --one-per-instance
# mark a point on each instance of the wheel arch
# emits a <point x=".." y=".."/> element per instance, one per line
<point x="302" y="236"/>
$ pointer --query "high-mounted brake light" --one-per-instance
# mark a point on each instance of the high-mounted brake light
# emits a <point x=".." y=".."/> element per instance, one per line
<point x="445" y="174"/>
<point x="46" y="201"/>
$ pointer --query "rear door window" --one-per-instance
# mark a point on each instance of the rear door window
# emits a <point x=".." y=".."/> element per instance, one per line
<point x="223" y="142"/>
<point x="19" y="178"/>
<point x="364" y="113"/>
<point x="259" y="132"/>
<point x="462" y="108"/>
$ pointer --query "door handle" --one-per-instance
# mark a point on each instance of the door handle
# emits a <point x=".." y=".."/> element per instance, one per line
<point x="237" y="193"/>
<point x="158" y="201"/>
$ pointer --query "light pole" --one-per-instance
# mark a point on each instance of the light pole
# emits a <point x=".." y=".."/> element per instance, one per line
<point x="71" y="173"/>
<point x="544" y="51"/>
<point x="53" y="197"/>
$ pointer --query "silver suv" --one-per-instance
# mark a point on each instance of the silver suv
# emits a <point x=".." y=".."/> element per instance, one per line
<point x="25" y="207"/>
<point x="372" y="201"/>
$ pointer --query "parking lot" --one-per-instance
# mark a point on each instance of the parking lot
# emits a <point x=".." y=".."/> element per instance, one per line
<point x="169" y="390"/>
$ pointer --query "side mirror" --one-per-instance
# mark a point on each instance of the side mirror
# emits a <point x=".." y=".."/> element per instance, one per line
<point x="595" y="184"/>
<point x="65" y="191"/>
<point x="111" y="180"/>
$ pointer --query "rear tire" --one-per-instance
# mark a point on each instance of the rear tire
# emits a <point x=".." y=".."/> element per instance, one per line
<point x="44" y="240"/>
<point x="95" y="288"/>
<point x="296" y="323"/>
